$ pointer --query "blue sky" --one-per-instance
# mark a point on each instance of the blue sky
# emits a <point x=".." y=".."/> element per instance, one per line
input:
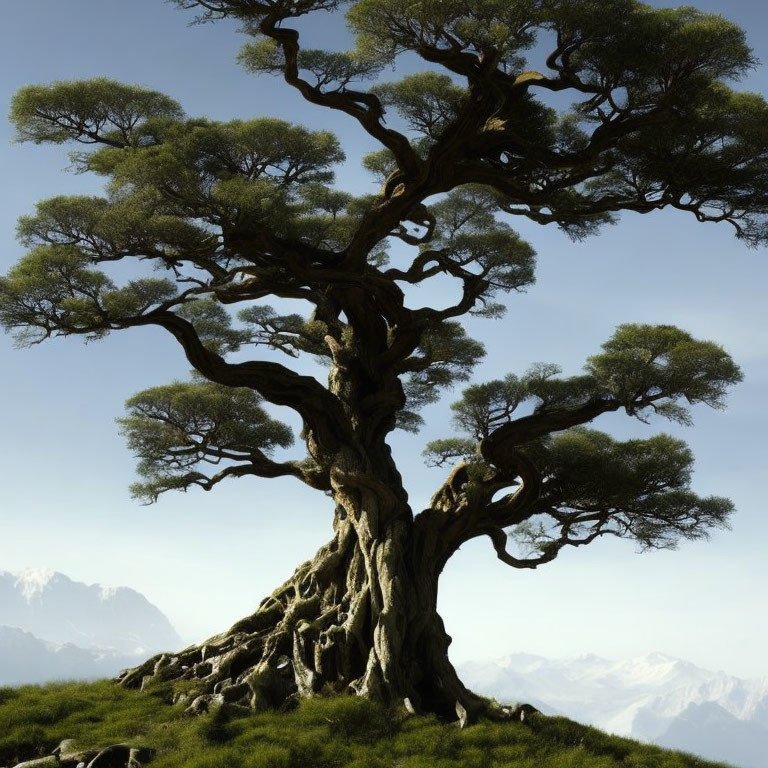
<point x="207" y="559"/>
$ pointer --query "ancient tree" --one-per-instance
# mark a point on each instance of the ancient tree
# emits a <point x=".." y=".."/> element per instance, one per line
<point x="233" y="213"/>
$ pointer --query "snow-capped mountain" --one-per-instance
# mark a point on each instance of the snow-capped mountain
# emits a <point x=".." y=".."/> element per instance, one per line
<point x="58" y="610"/>
<point x="654" y="698"/>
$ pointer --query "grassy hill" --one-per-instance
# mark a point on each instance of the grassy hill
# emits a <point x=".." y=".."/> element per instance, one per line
<point x="338" y="732"/>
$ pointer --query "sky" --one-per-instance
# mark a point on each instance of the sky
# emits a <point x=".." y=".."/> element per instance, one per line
<point x="206" y="559"/>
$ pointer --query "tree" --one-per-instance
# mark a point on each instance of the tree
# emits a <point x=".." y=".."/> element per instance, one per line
<point x="237" y="212"/>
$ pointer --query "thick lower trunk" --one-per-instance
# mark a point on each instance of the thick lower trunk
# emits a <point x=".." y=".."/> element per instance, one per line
<point x="360" y="617"/>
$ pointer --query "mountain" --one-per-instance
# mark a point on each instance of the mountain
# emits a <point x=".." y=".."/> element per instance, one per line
<point x="655" y="698"/>
<point x="709" y="729"/>
<point x="58" y="610"/>
<point x="26" y="659"/>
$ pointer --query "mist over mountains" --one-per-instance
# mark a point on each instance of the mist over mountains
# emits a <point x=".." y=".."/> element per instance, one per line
<point x="54" y="628"/>
<point x="26" y="659"/>
<point x="653" y="698"/>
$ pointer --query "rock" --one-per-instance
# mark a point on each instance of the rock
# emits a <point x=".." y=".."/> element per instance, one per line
<point x="462" y="715"/>
<point x="71" y="757"/>
<point x="205" y="703"/>
<point x="65" y="747"/>
<point x="43" y="762"/>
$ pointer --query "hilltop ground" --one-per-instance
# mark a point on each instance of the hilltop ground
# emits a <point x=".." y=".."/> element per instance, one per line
<point x="338" y="732"/>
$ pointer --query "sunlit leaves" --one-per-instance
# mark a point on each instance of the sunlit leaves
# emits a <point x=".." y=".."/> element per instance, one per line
<point x="647" y="366"/>
<point x="137" y="297"/>
<point x="51" y="289"/>
<point x="428" y="101"/>
<point x="217" y="172"/>
<point x="468" y="243"/>
<point x="474" y="239"/>
<point x="483" y="406"/>
<point x="328" y="218"/>
<point x="89" y="111"/>
<point x="390" y="26"/>
<point x="438" y="453"/>
<point x="644" y="369"/>
<point x="104" y="230"/>
<point x="649" y="51"/>
<point x="330" y="70"/>
<point x="246" y="165"/>
<point x="237" y="211"/>
<point x="653" y="122"/>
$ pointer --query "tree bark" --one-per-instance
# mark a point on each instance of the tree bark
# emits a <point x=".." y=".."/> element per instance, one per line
<point x="360" y="617"/>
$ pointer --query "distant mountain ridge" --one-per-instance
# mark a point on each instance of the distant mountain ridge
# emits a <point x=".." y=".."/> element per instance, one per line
<point x="655" y="698"/>
<point x="25" y="659"/>
<point x="59" y="610"/>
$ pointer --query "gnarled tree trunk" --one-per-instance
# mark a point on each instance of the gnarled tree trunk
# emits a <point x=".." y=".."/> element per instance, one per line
<point x="360" y="617"/>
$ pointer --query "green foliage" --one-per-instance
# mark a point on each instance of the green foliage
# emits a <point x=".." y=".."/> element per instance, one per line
<point x="175" y="428"/>
<point x="626" y="42"/>
<point x="644" y="369"/>
<point x="590" y="484"/>
<point x="391" y="26"/>
<point x="445" y="355"/>
<point x="334" y="69"/>
<point x="107" y="230"/>
<point x="689" y="46"/>
<point x="449" y="450"/>
<point x="253" y="10"/>
<point x="628" y="64"/>
<point x="339" y="732"/>
<point x="471" y="243"/>
<point x="220" y="172"/>
<point x="88" y="111"/>
<point x="291" y="334"/>
<point x="52" y="291"/>
<point x="485" y="407"/>
<point x="646" y="366"/>
<point x="238" y="211"/>
<point x="213" y="324"/>
<point x="428" y="101"/>
<point x="641" y="486"/>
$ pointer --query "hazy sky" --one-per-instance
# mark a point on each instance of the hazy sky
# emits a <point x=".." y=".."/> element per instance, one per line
<point x="207" y="559"/>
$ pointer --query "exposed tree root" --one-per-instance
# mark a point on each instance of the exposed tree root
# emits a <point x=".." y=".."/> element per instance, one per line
<point x="349" y="621"/>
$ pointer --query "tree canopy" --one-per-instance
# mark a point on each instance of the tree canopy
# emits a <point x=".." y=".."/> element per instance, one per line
<point x="564" y="112"/>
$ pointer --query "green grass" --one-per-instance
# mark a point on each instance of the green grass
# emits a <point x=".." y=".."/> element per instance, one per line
<point x="339" y="732"/>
